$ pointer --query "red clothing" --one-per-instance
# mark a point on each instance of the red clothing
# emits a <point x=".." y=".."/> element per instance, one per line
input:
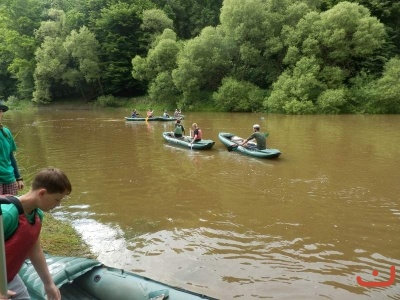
<point x="197" y="134"/>
<point x="20" y="243"/>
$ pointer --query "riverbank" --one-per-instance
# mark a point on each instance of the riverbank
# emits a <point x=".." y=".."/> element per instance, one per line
<point x="60" y="238"/>
<point x="139" y="103"/>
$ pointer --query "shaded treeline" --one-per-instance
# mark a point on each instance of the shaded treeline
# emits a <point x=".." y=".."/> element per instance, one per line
<point x="285" y="56"/>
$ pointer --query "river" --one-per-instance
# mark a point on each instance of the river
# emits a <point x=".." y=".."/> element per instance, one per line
<point x="302" y="226"/>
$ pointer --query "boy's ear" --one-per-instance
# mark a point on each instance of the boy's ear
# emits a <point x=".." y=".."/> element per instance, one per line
<point x="42" y="191"/>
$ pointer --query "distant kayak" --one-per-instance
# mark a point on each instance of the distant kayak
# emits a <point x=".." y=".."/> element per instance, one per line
<point x="159" y="118"/>
<point x="185" y="142"/>
<point x="84" y="278"/>
<point x="233" y="142"/>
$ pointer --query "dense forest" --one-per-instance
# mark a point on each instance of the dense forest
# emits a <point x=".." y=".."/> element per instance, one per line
<point x="278" y="56"/>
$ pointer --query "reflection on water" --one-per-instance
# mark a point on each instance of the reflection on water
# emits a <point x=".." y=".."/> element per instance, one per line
<point x="303" y="226"/>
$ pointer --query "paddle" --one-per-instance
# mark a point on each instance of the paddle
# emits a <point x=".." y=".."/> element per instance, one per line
<point x="3" y="270"/>
<point x="190" y="135"/>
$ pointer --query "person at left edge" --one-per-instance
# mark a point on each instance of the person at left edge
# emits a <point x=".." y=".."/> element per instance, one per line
<point x="22" y="224"/>
<point x="10" y="178"/>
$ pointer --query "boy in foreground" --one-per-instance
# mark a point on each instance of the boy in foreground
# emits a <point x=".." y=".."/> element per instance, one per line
<point x="22" y="224"/>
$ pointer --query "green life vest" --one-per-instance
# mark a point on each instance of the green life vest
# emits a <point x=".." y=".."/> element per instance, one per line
<point x="178" y="129"/>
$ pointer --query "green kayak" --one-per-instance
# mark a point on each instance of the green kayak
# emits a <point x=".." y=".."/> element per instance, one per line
<point x="185" y="142"/>
<point x="83" y="278"/>
<point x="232" y="142"/>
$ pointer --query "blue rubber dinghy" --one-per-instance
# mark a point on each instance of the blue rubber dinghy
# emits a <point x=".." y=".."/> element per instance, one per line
<point x="185" y="142"/>
<point x="84" y="278"/>
<point x="233" y="142"/>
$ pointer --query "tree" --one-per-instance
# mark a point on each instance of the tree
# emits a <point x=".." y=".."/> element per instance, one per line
<point x="52" y="60"/>
<point x="18" y="20"/>
<point x="155" y="21"/>
<point x="83" y="47"/>
<point x="386" y="90"/>
<point x="234" y="95"/>
<point x="294" y="90"/>
<point x="120" y="37"/>
<point x="191" y="16"/>
<point x="66" y="63"/>
<point x="339" y="44"/>
<point x="202" y="63"/>
<point x="157" y="67"/>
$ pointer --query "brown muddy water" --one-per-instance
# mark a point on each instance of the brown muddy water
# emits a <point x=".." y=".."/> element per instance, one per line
<point x="302" y="226"/>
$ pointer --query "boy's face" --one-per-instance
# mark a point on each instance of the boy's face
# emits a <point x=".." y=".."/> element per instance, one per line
<point x="50" y="201"/>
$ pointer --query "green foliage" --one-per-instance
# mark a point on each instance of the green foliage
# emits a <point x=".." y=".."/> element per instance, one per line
<point x="202" y="63"/>
<point x="83" y="49"/>
<point x="52" y="60"/>
<point x="331" y="101"/>
<point x="315" y="56"/>
<point x="64" y="60"/>
<point x="359" y="93"/>
<point x="108" y="101"/>
<point x="155" y="21"/>
<point x="191" y="16"/>
<point x="238" y="96"/>
<point x="386" y="90"/>
<point x="18" y="20"/>
<point x="118" y="31"/>
<point x="157" y="67"/>
<point x="162" y="88"/>
<point x="298" y="88"/>
<point x="296" y="107"/>
<point x="325" y="51"/>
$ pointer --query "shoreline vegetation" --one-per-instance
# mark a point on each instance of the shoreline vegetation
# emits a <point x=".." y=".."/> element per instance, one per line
<point x="109" y="102"/>
<point x="61" y="239"/>
<point x="303" y="58"/>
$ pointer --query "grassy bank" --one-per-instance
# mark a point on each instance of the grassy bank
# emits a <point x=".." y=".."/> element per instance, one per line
<point x="60" y="238"/>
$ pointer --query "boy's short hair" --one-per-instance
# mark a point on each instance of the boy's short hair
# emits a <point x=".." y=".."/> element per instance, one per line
<point x="53" y="180"/>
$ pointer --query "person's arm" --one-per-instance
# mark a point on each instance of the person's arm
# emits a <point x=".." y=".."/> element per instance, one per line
<point x="20" y="180"/>
<point x="39" y="263"/>
<point x="14" y="165"/>
<point x="246" y="140"/>
<point x="194" y="136"/>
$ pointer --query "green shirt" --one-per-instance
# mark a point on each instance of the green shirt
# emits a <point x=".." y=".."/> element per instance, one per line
<point x="11" y="216"/>
<point x="260" y="138"/>
<point x="7" y="145"/>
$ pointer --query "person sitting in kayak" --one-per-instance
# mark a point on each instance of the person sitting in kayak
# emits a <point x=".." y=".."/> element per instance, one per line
<point x="165" y="114"/>
<point x="150" y="113"/>
<point x="179" y="129"/>
<point x="177" y="113"/>
<point x="197" y="133"/>
<point x="135" y="114"/>
<point x="258" y="136"/>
